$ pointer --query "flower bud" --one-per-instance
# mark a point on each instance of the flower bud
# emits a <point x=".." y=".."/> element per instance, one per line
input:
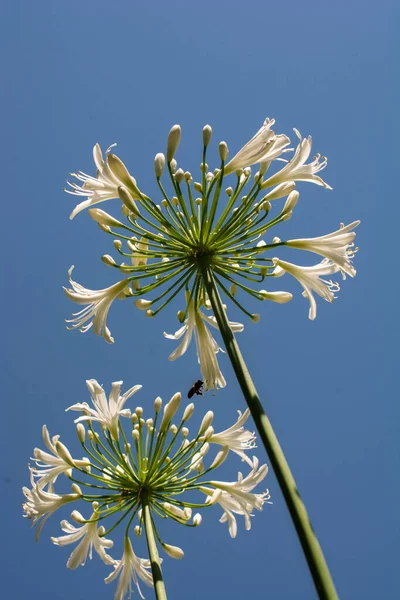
<point x="197" y="186"/>
<point x="135" y="435"/>
<point x="157" y="405"/>
<point x="173" y="551"/>
<point x="159" y="164"/>
<point x="290" y="203"/>
<point x="220" y="458"/>
<point x="181" y="316"/>
<point x="174" y="137"/>
<point x="208" y="432"/>
<point x="175" y="200"/>
<point x="142" y="304"/>
<point x="179" y="176"/>
<point x="207" y="133"/>
<point x="223" y="150"/>
<point x="81" y="432"/>
<point x="120" y="171"/>
<point x="64" y="454"/>
<point x="229" y="191"/>
<point x="203" y="167"/>
<point x="76" y="489"/>
<point x="173" y="429"/>
<point x="108" y="260"/>
<point x="103" y="218"/>
<point x="185" y="432"/>
<point x="206" y="422"/>
<point x="138" y="530"/>
<point x="173" y="165"/>
<point x="169" y="411"/>
<point x="149" y="313"/>
<point x="263" y="271"/>
<point x="117" y="244"/>
<point x="139" y="411"/>
<point x="197" y="519"/>
<point x="278" y="297"/>
<point x="255" y="317"/>
<point x="233" y="289"/>
<point x="188" y="412"/>
<point x="128" y="201"/>
<point x="199" y="201"/>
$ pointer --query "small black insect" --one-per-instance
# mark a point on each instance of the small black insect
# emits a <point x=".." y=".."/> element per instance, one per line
<point x="196" y="389"/>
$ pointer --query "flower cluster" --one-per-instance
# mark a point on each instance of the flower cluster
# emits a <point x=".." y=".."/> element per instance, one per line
<point x="168" y="246"/>
<point x="155" y="473"/>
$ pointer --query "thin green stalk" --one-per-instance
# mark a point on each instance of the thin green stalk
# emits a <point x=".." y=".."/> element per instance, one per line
<point x="159" y="586"/>
<point x="312" y="550"/>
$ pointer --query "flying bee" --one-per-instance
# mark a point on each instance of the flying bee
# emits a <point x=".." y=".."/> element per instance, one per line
<point x="196" y="389"/>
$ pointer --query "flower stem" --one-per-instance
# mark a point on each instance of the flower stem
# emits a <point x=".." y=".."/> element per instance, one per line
<point x="312" y="550"/>
<point x="159" y="586"/>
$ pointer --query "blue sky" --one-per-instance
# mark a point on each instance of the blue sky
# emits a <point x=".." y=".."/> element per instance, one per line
<point x="75" y="73"/>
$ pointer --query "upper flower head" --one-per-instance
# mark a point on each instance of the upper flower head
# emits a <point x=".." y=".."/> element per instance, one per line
<point x="205" y="239"/>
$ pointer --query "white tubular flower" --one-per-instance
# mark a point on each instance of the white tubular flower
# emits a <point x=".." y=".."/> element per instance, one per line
<point x="107" y="413"/>
<point x="236" y="497"/>
<point x="99" y="303"/>
<point x="50" y="466"/>
<point x="236" y="438"/>
<point x="264" y="146"/>
<point x="311" y="280"/>
<point x="297" y="170"/>
<point x="130" y="568"/>
<point x="90" y="536"/>
<point x="207" y="347"/>
<point x="40" y="504"/>
<point x="336" y="246"/>
<point x="104" y="186"/>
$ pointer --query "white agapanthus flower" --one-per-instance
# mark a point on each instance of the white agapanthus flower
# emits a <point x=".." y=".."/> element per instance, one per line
<point x="40" y="504"/>
<point x="236" y="438"/>
<point x="336" y="246"/>
<point x="297" y="170"/>
<point x="130" y="569"/>
<point x="206" y="346"/>
<point x="89" y="536"/>
<point x="104" y="186"/>
<point x="50" y="466"/>
<point x="204" y="238"/>
<point x="106" y="412"/>
<point x="237" y="497"/>
<point x="98" y="304"/>
<point x="311" y="278"/>
<point x="138" y="484"/>
<point x="264" y="146"/>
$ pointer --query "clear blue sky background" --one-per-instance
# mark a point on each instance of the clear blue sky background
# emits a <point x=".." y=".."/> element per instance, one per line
<point x="74" y="73"/>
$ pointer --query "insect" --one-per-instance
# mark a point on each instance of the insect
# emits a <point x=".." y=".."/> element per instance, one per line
<point x="196" y="389"/>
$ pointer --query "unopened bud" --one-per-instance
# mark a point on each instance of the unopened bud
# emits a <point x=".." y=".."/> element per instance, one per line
<point x="197" y="186"/>
<point x="117" y="244"/>
<point x="149" y="313"/>
<point x="138" y="530"/>
<point x="121" y="173"/>
<point x="223" y="150"/>
<point x="108" y="260"/>
<point x="76" y="489"/>
<point x="188" y="412"/>
<point x="142" y="304"/>
<point x="181" y="316"/>
<point x="203" y="167"/>
<point x="157" y="405"/>
<point x="207" y="133"/>
<point x="199" y="201"/>
<point x="128" y="201"/>
<point x="81" y="432"/>
<point x="179" y="176"/>
<point x="135" y="435"/>
<point x="159" y="164"/>
<point x="175" y="200"/>
<point x="173" y="165"/>
<point x="197" y="519"/>
<point x="139" y="411"/>
<point x="229" y="191"/>
<point x="173" y="551"/>
<point x="185" y="432"/>
<point x="174" y="137"/>
<point x="233" y="289"/>
<point x="255" y="317"/>
<point x="220" y="458"/>
<point x="169" y="411"/>
<point x="208" y="432"/>
<point x="206" y="422"/>
<point x="103" y="218"/>
<point x="173" y="429"/>
<point x="278" y="297"/>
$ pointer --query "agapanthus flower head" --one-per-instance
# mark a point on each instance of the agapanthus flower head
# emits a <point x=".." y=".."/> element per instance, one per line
<point x="137" y="464"/>
<point x="199" y="230"/>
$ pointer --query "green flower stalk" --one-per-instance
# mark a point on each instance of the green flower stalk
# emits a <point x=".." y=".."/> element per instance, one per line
<point x="160" y="473"/>
<point x="207" y="240"/>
